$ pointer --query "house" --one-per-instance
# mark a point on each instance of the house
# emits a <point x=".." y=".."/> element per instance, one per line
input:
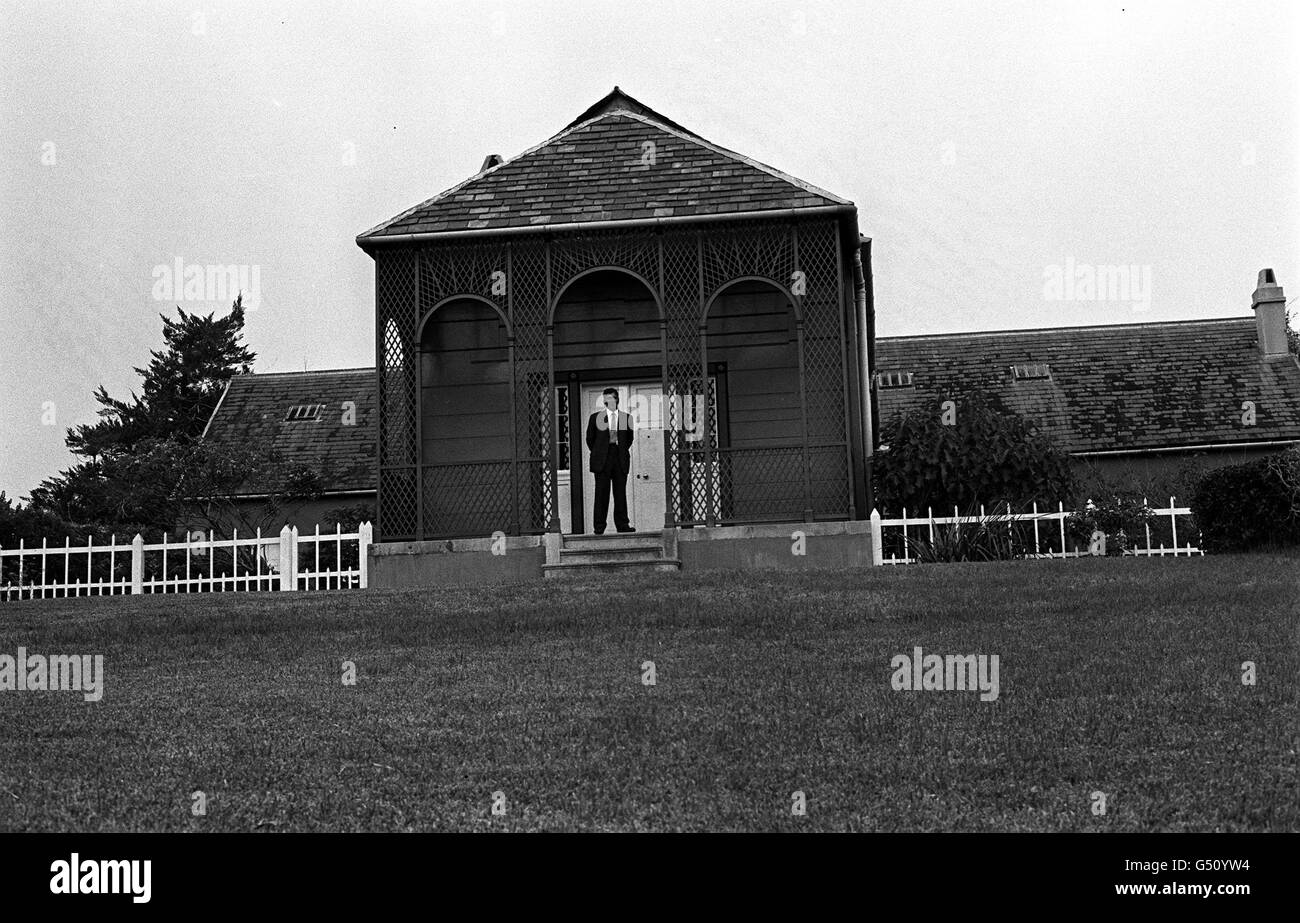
<point x="1138" y="406"/>
<point x="323" y="420"/>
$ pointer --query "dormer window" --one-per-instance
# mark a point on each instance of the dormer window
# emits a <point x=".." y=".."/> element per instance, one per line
<point x="1031" y="371"/>
<point x="303" y="412"/>
<point x="887" y="380"/>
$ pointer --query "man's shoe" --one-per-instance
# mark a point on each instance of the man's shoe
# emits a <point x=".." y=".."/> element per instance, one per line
<point x="628" y="529"/>
<point x="599" y="531"/>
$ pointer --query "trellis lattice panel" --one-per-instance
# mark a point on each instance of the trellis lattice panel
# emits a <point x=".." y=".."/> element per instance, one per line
<point x="761" y="483"/>
<point x="682" y="373"/>
<point x="450" y="270"/>
<point x="572" y="256"/>
<point x="529" y="305"/>
<point x="828" y="481"/>
<point x="396" y="287"/>
<point x="760" y="249"/>
<point x="397" y="502"/>
<point x="468" y="499"/>
<point x="823" y="360"/>
<point x="396" y="293"/>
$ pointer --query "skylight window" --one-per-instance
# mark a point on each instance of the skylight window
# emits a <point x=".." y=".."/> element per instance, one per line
<point x="304" y="412"/>
<point x="1032" y="370"/>
<point x="894" y="380"/>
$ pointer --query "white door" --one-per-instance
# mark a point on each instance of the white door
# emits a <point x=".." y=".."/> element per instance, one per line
<point x="645" y="482"/>
<point x="645" y="485"/>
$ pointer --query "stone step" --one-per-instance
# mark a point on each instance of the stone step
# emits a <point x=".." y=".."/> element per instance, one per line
<point x="613" y="540"/>
<point x="611" y="553"/>
<point x="607" y="568"/>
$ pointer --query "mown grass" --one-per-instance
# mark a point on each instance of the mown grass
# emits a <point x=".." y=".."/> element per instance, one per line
<point x="1119" y="676"/>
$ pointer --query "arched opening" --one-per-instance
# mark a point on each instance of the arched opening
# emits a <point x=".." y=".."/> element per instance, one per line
<point x="755" y="414"/>
<point x="466" y="409"/>
<point x="606" y="333"/>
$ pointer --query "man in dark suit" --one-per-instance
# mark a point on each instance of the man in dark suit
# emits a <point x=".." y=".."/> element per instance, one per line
<point x="609" y="444"/>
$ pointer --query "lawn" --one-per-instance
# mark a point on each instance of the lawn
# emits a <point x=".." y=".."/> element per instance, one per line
<point x="1116" y="676"/>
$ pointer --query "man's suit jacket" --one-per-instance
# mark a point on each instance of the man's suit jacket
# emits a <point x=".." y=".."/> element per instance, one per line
<point x="599" y="443"/>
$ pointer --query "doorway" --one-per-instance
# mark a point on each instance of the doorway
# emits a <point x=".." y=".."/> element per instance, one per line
<point x="646" y="504"/>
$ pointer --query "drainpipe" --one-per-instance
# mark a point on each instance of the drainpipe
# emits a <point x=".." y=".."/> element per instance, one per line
<point x="864" y="359"/>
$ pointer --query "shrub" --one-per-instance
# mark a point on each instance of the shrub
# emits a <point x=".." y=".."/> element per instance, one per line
<point x="1155" y="479"/>
<point x="989" y="455"/>
<point x="1121" y="519"/>
<point x="1249" y="506"/>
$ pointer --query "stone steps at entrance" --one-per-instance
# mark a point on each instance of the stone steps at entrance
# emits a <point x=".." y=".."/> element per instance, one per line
<point x="606" y="555"/>
<point x="593" y="542"/>
<point x="611" y="553"/>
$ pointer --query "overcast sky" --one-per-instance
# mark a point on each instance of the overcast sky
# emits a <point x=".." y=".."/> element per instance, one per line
<point x="984" y="145"/>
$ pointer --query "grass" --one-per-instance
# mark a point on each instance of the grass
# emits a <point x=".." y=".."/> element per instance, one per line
<point x="1117" y="675"/>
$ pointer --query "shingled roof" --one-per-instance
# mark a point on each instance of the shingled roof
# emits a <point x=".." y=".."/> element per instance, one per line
<point x="598" y="169"/>
<point x="253" y="409"/>
<point x="1124" y="387"/>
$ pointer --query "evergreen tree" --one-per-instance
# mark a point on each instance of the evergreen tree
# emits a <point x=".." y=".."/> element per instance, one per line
<point x="134" y="469"/>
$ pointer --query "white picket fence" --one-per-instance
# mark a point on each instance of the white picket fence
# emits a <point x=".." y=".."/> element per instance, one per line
<point x="260" y="563"/>
<point x="1046" y="527"/>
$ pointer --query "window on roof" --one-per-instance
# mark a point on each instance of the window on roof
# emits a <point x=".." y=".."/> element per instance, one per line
<point x="304" y="412"/>
<point x="894" y="379"/>
<point x="1031" y="370"/>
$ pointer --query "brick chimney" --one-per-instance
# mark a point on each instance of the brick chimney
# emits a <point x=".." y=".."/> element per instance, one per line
<point x="495" y="160"/>
<point x="1269" y="305"/>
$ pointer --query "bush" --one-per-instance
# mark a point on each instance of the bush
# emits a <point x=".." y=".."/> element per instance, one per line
<point x="24" y="523"/>
<point x="1122" y="520"/>
<point x="1249" y="506"/>
<point x="989" y="455"/>
<point x="1154" y="479"/>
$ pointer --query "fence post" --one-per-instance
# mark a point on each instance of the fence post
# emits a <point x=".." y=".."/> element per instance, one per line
<point x="366" y="535"/>
<point x="137" y="564"/>
<point x="877" y="540"/>
<point x="288" y="559"/>
<point x="1060" y="521"/>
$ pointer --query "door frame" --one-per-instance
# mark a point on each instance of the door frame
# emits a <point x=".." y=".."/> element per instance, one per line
<point x="577" y="380"/>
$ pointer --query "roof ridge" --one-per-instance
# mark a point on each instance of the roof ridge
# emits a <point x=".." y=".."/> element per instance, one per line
<point x="1125" y="326"/>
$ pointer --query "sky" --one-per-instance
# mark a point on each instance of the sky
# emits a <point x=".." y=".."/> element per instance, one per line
<point x="995" y="151"/>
